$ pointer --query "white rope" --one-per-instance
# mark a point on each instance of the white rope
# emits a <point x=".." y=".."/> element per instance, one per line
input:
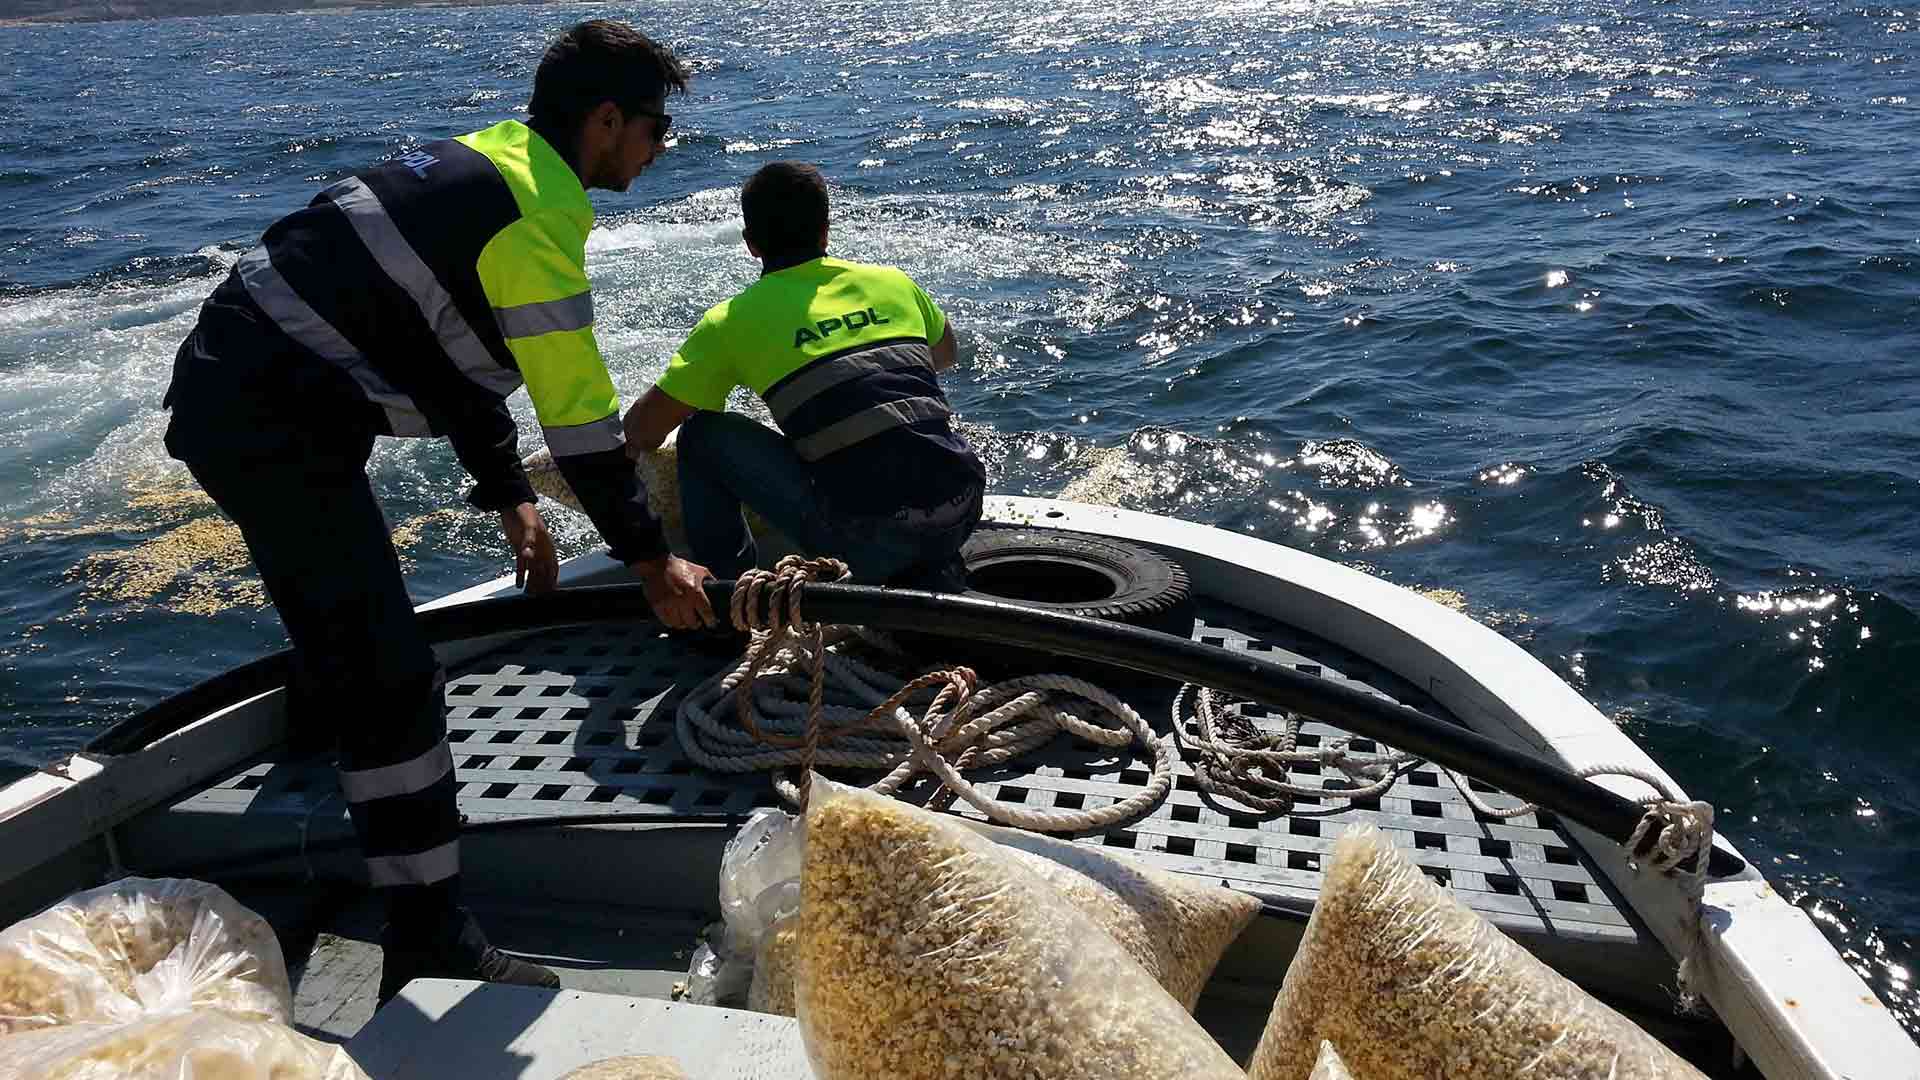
<point x="1249" y="765"/>
<point x="1674" y="836"/>
<point x="798" y="702"/>
<point x="1237" y="766"/>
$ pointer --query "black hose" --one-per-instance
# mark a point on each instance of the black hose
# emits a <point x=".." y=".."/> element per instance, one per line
<point x="1245" y="674"/>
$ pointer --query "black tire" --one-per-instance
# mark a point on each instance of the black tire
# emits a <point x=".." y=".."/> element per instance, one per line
<point x="1080" y="574"/>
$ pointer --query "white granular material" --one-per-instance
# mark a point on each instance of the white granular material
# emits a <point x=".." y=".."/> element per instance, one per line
<point x="205" y="1045"/>
<point x="1328" y="1065"/>
<point x="925" y="951"/>
<point x="657" y="470"/>
<point x="137" y="947"/>
<point x="1410" y="984"/>
<point x="659" y="474"/>
<point x="630" y="1068"/>
<point x="1176" y="929"/>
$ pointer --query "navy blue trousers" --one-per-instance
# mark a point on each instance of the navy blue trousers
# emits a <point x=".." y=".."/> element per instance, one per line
<point x="364" y="671"/>
<point x="729" y="459"/>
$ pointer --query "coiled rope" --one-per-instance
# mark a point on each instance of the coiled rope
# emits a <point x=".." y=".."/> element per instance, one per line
<point x="791" y="693"/>
<point x="1234" y="759"/>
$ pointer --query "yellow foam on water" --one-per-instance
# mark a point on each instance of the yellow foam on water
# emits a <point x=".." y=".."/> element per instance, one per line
<point x="1451" y="598"/>
<point x="205" y="560"/>
<point x="1110" y="476"/>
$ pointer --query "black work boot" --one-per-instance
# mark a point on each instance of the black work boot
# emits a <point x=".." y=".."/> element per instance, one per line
<point x="456" y="949"/>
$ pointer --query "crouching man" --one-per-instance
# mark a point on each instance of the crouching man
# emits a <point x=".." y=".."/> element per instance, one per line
<point x="866" y="465"/>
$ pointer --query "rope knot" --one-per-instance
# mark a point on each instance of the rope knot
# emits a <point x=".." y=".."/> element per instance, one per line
<point x="1676" y="838"/>
<point x="1673" y="837"/>
<point x="777" y="623"/>
<point x="782" y="586"/>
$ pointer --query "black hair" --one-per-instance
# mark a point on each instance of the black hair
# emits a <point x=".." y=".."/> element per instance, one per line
<point x="785" y="207"/>
<point x="595" y="61"/>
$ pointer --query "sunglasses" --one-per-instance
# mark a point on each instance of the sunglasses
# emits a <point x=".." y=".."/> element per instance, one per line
<point x="662" y="123"/>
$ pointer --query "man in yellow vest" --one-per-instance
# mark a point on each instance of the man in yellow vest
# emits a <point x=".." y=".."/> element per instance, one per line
<point x="410" y="300"/>
<point x="866" y="465"/>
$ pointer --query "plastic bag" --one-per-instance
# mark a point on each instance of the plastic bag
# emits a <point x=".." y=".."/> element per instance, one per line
<point x="1175" y="926"/>
<point x="773" y="967"/>
<point x="206" y="1045"/>
<point x="137" y="947"/>
<point x="1411" y="984"/>
<point x="1328" y="1065"/>
<point x="926" y="951"/>
<point x="759" y="881"/>
<point x="630" y="1068"/>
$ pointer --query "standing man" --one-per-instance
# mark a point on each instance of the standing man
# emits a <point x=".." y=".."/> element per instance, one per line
<point x="410" y="300"/>
<point x="866" y="465"/>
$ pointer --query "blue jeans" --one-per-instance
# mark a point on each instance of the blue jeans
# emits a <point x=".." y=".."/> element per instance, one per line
<point x="728" y="459"/>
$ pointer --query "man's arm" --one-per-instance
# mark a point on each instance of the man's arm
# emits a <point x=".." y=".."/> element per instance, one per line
<point x="652" y="419"/>
<point x="945" y="352"/>
<point x="487" y="443"/>
<point x="534" y="276"/>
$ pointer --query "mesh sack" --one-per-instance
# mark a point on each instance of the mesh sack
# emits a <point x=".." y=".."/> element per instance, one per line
<point x="137" y="947"/>
<point x="1328" y="1065"/>
<point x="630" y="1068"/>
<point x="1410" y="984"/>
<point x="1175" y="928"/>
<point x="207" y="1045"/>
<point x="659" y="475"/>
<point x="926" y="951"/>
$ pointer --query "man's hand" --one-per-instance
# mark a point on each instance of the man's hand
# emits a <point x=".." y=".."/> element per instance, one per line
<point x="535" y="567"/>
<point x="673" y="590"/>
<point x="946" y="351"/>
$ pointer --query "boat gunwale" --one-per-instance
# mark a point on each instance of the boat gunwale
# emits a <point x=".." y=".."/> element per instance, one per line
<point x="1783" y="991"/>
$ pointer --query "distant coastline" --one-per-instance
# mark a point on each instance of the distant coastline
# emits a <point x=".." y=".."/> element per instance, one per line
<point x="44" y="12"/>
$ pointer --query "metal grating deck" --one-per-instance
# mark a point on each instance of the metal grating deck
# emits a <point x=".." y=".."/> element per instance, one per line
<point x="580" y="721"/>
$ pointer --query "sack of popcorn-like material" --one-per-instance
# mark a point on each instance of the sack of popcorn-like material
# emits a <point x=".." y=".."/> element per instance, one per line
<point x="1175" y="928"/>
<point x="659" y="474"/>
<point x="630" y="1068"/>
<point x="925" y="950"/>
<point x="137" y="947"/>
<point x="1410" y="984"/>
<point x="1328" y="1065"/>
<point x="202" y="1045"/>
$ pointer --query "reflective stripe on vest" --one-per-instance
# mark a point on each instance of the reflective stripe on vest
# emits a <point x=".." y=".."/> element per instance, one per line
<point x="390" y="249"/>
<point x="798" y="389"/>
<point x="546" y="316"/>
<point x="304" y="325"/>
<point x="867" y="423"/>
<point x="606" y="433"/>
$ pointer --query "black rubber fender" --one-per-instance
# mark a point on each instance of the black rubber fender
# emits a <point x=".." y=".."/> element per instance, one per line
<point x="1076" y="573"/>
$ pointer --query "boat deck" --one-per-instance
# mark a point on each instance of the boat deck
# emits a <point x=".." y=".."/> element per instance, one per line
<point x="559" y="727"/>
